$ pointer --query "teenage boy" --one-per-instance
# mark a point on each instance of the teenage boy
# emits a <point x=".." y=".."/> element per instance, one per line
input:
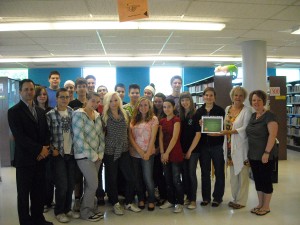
<point x="54" y="81"/>
<point x="120" y="89"/>
<point x="60" y="126"/>
<point x="81" y="91"/>
<point x="176" y="83"/>
<point x="91" y="82"/>
<point x="134" y="94"/>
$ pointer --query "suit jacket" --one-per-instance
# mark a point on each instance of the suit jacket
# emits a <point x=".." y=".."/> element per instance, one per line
<point x="30" y="135"/>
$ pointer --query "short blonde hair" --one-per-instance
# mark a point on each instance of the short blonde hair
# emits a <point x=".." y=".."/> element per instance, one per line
<point x="238" y="88"/>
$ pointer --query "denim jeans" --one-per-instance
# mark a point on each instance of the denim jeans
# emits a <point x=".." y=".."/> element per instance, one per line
<point x="112" y="167"/>
<point x="172" y="172"/>
<point x="189" y="176"/>
<point x="64" y="179"/>
<point x="143" y="170"/>
<point x="214" y="154"/>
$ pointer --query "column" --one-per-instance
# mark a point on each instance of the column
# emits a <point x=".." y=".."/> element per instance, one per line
<point x="254" y="65"/>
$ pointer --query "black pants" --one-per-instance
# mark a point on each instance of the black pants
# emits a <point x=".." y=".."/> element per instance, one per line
<point x="125" y="165"/>
<point x="31" y="184"/>
<point x="262" y="174"/>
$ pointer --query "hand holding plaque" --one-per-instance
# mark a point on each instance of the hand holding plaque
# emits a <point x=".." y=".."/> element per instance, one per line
<point x="212" y="124"/>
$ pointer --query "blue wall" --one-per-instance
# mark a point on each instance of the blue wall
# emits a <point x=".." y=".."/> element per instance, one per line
<point x="126" y="75"/>
<point x="191" y="74"/>
<point x="40" y="76"/>
<point x="133" y="75"/>
<point x="271" y="72"/>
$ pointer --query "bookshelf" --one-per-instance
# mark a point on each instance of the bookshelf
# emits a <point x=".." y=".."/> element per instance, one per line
<point x="293" y="115"/>
<point x="222" y="85"/>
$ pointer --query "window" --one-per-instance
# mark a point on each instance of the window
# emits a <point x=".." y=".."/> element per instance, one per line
<point x="17" y="74"/>
<point x="292" y="74"/>
<point x="104" y="76"/>
<point x="161" y="76"/>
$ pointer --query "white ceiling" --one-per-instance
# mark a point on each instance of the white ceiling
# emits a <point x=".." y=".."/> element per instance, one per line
<point x="268" y="20"/>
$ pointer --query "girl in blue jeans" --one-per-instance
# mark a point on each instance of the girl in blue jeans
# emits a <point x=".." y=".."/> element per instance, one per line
<point x="143" y="129"/>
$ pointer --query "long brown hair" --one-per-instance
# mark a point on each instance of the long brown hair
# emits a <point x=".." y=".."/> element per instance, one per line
<point x="192" y="110"/>
<point x="38" y="90"/>
<point x="137" y="115"/>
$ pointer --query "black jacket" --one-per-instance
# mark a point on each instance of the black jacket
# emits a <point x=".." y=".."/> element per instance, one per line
<point x="30" y="135"/>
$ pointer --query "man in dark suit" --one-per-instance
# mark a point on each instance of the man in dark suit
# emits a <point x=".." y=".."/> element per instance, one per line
<point x="29" y="127"/>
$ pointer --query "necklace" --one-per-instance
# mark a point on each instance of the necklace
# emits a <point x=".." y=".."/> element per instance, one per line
<point x="259" y="115"/>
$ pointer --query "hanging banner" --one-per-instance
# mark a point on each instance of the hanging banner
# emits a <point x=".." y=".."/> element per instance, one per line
<point x="132" y="10"/>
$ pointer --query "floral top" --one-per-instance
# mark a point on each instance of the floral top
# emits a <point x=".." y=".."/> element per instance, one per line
<point x="229" y="119"/>
<point x="142" y="135"/>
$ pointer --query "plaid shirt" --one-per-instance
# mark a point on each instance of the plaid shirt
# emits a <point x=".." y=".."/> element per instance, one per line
<point x="56" y="131"/>
<point x="88" y="136"/>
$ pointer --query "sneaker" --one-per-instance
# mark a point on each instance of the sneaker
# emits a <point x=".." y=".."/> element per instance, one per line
<point x="178" y="208"/>
<point x="62" y="218"/>
<point x="192" y="205"/>
<point x="166" y="205"/>
<point x="74" y="215"/>
<point x="132" y="207"/>
<point x="118" y="210"/>
<point x="76" y="206"/>
<point x="94" y="218"/>
<point x="100" y="214"/>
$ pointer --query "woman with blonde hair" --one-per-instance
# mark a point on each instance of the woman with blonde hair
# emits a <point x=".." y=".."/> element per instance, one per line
<point x="116" y="155"/>
<point x="235" y="146"/>
<point x="143" y="129"/>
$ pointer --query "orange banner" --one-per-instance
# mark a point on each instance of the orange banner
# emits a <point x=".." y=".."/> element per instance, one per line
<point x="132" y="10"/>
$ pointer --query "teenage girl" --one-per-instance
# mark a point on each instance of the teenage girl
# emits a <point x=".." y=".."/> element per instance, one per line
<point x="171" y="156"/>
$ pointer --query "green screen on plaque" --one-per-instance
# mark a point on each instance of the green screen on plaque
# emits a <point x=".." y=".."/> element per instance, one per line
<point x="212" y="125"/>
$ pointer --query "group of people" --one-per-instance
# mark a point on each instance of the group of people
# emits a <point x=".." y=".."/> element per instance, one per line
<point x="151" y="144"/>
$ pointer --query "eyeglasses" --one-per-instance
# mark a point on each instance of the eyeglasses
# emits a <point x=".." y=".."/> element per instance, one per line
<point x="64" y="97"/>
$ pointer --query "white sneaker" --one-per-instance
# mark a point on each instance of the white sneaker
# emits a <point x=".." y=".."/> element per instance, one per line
<point x="178" y="208"/>
<point x="74" y="215"/>
<point x="132" y="207"/>
<point x="166" y="205"/>
<point x="62" y="218"/>
<point x="118" y="210"/>
<point x="76" y="206"/>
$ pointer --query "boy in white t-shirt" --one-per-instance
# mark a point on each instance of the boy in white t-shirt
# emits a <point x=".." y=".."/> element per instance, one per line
<point x="60" y="125"/>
